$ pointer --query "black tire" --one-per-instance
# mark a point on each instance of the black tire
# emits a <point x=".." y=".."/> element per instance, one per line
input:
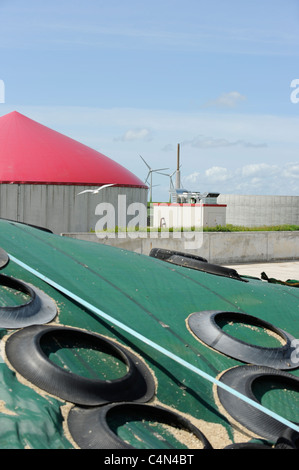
<point x="90" y="429"/>
<point x="289" y="439"/>
<point x="39" y="309"/>
<point x="194" y="262"/>
<point x="166" y="255"/>
<point x="203" y="325"/>
<point x="249" y="446"/>
<point x="44" y="229"/>
<point x="24" y="351"/>
<point x="242" y="379"/>
<point x="4" y="258"/>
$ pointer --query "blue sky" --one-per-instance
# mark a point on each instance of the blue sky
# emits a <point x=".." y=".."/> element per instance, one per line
<point x="138" y="77"/>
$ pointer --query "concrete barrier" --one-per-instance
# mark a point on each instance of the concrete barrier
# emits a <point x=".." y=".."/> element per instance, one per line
<point x="216" y="247"/>
<point x="254" y="211"/>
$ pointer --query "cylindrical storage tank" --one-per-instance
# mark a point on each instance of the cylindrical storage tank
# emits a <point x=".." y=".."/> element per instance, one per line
<point x="43" y="171"/>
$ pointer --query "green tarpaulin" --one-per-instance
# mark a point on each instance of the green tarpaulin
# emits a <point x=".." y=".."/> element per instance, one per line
<point x="154" y="299"/>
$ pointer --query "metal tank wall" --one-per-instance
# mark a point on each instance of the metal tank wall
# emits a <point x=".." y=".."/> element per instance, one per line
<point x="251" y="211"/>
<point x="60" y="208"/>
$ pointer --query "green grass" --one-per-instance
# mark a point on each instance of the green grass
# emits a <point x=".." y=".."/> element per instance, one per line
<point x="218" y="228"/>
<point x="262" y="228"/>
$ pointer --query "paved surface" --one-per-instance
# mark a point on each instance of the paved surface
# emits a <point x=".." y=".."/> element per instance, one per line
<point x="280" y="270"/>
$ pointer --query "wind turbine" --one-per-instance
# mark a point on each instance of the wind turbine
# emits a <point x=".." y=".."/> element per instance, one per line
<point x="95" y="191"/>
<point x="171" y="185"/>
<point x="150" y="175"/>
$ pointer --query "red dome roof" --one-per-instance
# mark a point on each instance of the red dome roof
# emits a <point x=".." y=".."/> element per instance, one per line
<point x="31" y="153"/>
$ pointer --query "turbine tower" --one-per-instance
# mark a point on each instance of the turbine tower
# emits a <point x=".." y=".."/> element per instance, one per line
<point x="178" y="175"/>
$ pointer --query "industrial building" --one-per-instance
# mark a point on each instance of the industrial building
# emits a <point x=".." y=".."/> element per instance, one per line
<point x="43" y="171"/>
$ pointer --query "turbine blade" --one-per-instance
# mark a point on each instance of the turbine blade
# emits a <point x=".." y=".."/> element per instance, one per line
<point x="145" y="162"/>
<point x="159" y="169"/>
<point x="147" y="176"/>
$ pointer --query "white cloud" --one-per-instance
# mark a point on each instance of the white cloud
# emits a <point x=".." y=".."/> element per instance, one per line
<point x="260" y="178"/>
<point x="192" y="178"/>
<point x="212" y="142"/>
<point x="260" y="170"/>
<point x="227" y="100"/>
<point x="135" y="134"/>
<point x="291" y="171"/>
<point x="217" y="173"/>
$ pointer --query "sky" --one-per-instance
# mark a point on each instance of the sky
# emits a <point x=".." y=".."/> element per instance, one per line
<point x="218" y="77"/>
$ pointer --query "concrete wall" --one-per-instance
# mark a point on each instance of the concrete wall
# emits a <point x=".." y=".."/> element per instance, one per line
<point x="60" y="209"/>
<point x="216" y="247"/>
<point x="251" y="211"/>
